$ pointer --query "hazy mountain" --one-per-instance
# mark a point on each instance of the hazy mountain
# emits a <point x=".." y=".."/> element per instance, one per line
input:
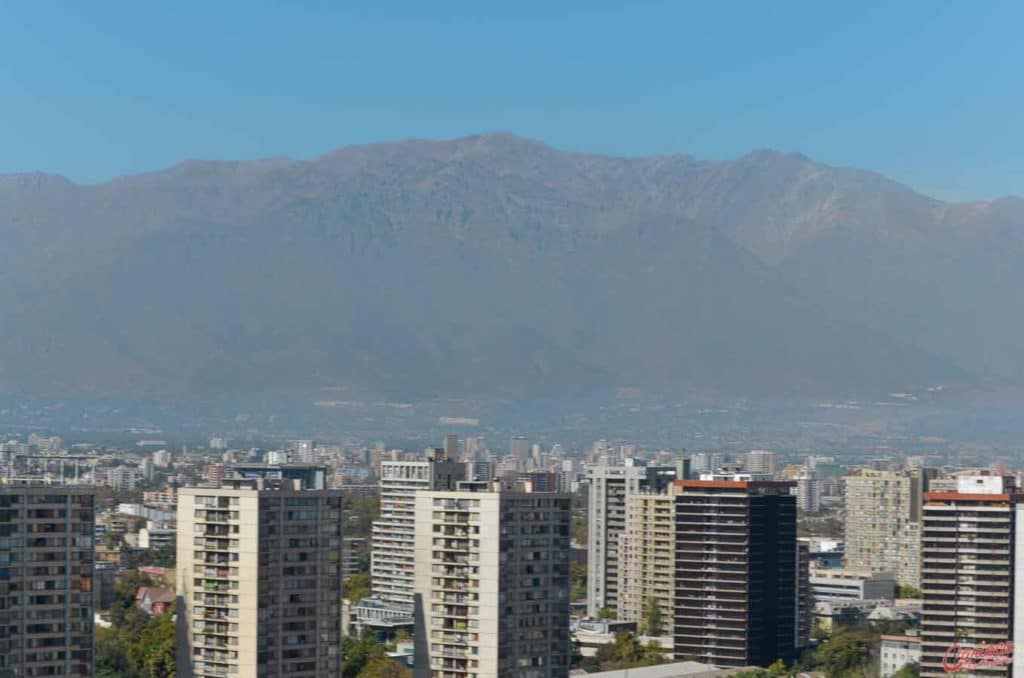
<point x="496" y="265"/>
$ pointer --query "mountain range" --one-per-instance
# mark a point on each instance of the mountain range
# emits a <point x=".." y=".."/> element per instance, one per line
<point x="497" y="266"/>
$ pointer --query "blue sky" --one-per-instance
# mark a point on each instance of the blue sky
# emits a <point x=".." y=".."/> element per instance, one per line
<point x="928" y="93"/>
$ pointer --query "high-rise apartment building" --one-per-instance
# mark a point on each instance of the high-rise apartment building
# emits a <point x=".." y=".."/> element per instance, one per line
<point x="647" y="561"/>
<point x="259" y="579"/>
<point x="450" y="445"/>
<point x="737" y="572"/>
<point x="883" y="509"/>
<point x="519" y="450"/>
<point x="804" y="599"/>
<point x="304" y="451"/>
<point x="392" y="558"/>
<point x="761" y="461"/>
<point x="967" y="578"/>
<point x="46" y="580"/>
<point x="492" y="583"/>
<point x="609" y="489"/>
<point x="476" y="446"/>
<point x="807" y="492"/>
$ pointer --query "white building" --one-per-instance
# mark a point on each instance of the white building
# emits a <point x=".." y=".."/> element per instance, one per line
<point x="305" y="451"/>
<point x="162" y="458"/>
<point x="259" y="580"/>
<point x="610" y="487"/>
<point x="849" y="584"/>
<point x="492" y="583"/>
<point x="122" y="478"/>
<point x="807" y="495"/>
<point x="761" y="461"/>
<point x="392" y="559"/>
<point x="898" y="651"/>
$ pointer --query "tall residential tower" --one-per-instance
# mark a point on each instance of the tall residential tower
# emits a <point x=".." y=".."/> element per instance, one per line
<point x="492" y="583"/>
<point x="393" y="558"/>
<point x="46" y="580"/>
<point x="259" y="578"/>
<point x="609" y="490"/>
<point x="738" y="580"/>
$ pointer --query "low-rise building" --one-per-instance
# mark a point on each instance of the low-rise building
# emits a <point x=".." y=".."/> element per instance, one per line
<point x="851" y="584"/>
<point x="154" y="599"/>
<point x="898" y="651"/>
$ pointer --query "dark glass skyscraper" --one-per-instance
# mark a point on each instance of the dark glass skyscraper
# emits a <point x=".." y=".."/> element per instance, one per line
<point x="736" y="572"/>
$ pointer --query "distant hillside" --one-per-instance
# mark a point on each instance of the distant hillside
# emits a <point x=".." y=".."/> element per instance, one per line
<point x="494" y="265"/>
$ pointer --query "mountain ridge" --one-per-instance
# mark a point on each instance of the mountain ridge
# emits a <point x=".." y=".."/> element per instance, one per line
<point x="543" y="269"/>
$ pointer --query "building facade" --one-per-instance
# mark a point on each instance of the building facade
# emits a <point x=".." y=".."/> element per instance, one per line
<point x="761" y="461"/>
<point x="647" y="562"/>
<point x="883" y="512"/>
<point x="608" y="492"/>
<point x="46" y="581"/>
<point x="967" y="574"/>
<point x="808" y="495"/>
<point x="737" y="576"/>
<point x="895" y="652"/>
<point x="492" y="583"/>
<point x="259" y="580"/>
<point x="392" y="558"/>
<point x="851" y="584"/>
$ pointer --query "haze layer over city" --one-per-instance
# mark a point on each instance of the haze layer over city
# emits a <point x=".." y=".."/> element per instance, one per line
<point x="462" y="341"/>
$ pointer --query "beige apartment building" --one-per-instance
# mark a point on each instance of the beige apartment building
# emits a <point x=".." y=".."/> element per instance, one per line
<point x="647" y="552"/>
<point x="259" y="579"/>
<point x="46" y="580"/>
<point x="882" y="527"/>
<point x="609" y="489"/>
<point x="492" y="583"/>
<point x="392" y="556"/>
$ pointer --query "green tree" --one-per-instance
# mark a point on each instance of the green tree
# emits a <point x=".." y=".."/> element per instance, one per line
<point x="357" y="653"/>
<point x="360" y="512"/>
<point x="579" y="529"/>
<point x="907" y="592"/>
<point x="625" y="652"/>
<point x="778" y="668"/>
<point x="911" y="670"/>
<point x="606" y="613"/>
<point x="846" y="653"/>
<point x="653" y="622"/>
<point x="139" y="647"/>
<point x="385" y="667"/>
<point x="578" y="577"/>
<point x="358" y="586"/>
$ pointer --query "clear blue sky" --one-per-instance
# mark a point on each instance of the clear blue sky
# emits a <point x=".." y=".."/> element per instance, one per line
<point x="929" y="93"/>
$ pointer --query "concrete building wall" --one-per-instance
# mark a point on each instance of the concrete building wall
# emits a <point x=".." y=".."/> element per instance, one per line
<point x="46" y="580"/>
<point x="259" y="582"/>
<point x="647" y="559"/>
<point x="608" y="490"/>
<point x="882" y="513"/>
<point x="491" y="584"/>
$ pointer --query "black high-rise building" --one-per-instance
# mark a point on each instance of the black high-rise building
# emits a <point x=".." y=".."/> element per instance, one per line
<point x="736" y="572"/>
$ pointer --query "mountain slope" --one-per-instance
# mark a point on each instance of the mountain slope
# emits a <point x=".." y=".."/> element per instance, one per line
<point x="498" y="266"/>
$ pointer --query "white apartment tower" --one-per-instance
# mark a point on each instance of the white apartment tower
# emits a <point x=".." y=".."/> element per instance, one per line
<point x="761" y="461"/>
<point x="610" y="488"/>
<point x="392" y="559"/>
<point x="259" y="579"/>
<point x="807" y="492"/>
<point x="492" y="583"/>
